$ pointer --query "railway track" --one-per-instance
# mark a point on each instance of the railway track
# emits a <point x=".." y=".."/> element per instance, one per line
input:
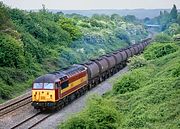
<point x="15" y="104"/>
<point x="32" y="121"/>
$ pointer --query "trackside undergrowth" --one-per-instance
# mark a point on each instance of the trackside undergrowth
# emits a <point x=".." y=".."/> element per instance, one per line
<point x="148" y="96"/>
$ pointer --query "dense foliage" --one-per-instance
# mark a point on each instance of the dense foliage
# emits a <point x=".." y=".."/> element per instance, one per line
<point x="145" y="97"/>
<point x="159" y="50"/>
<point x="137" y="62"/>
<point x="162" y="37"/>
<point x="34" y="43"/>
<point x="100" y="114"/>
<point x="148" y="95"/>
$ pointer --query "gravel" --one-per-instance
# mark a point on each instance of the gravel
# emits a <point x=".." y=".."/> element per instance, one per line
<point x="76" y="106"/>
<point x="9" y="120"/>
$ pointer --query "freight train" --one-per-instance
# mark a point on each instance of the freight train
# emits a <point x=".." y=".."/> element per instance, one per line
<point x="56" y="89"/>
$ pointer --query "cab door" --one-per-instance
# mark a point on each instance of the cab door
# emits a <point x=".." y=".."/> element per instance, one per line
<point x="57" y="90"/>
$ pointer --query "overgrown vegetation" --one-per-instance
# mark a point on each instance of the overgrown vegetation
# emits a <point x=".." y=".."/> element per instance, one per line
<point x="100" y="114"/>
<point x="146" y="97"/>
<point x="137" y="62"/>
<point x="159" y="50"/>
<point x="34" y="43"/>
<point x="163" y="37"/>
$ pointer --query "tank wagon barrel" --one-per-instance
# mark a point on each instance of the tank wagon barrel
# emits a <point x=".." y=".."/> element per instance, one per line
<point x="55" y="90"/>
<point x="128" y="52"/>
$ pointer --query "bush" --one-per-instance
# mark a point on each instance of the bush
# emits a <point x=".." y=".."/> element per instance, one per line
<point x="84" y="24"/>
<point x="176" y="37"/>
<point x="157" y="50"/>
<point x="154" y="102"/>
<point x="69" y="25"/>
<point x="162" y="38"/>
<point x="137" y="62"/>
<point x="5" y="91"/>
<point x="96" y="23"/>
<point x="12" y="75"/>
<point x="122" y="35"/>
<point x="131" y="81"/>
<point x="34" y="47"/>
<point x="76" y="122"/>
<point x="100" y="114"/>
<point x="11" y="52"/>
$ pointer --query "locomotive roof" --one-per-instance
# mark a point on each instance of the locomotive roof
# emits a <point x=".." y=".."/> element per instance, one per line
<point x="57" y="75"/>
<point x="49" y="78"/>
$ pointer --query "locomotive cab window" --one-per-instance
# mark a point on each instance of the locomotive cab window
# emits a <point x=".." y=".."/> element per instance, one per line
<point x="64" y="84"/>
<point x="48" y="85"/>
<point x="38" y="85"/>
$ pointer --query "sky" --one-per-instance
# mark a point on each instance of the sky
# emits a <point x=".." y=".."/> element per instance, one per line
<point x="92" y="4"/>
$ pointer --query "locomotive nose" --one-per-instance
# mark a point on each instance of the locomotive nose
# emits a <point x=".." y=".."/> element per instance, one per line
<point x="43" y="96"/>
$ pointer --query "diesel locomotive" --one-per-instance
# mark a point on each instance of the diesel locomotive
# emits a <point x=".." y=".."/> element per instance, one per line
<point x="55" y="90"/>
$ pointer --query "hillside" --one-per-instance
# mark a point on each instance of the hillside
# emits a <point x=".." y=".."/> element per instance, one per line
<point x="35" y="43"/>
<point x="147" y="96"/>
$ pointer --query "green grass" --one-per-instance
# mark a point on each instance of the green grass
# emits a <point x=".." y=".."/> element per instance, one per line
<point x="147" y="97"/>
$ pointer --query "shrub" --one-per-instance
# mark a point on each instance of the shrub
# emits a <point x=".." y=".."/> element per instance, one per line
<point x="33" y="47"/>
<point x="171" y="70"/>
<point x="12" y="75"/>
<point x="122" y="35"/>
<point x="5" y="91"/>
<point x="96" y="23"/>
<point x="130" y="81"/>
<point x="137" y="62"/>
<point x="176" y="37"/>
<point x="157" y="50"/>
<point x="76" y="122"/>
<point x="176" y="71"/>
<point x="162" y="37"/>
<point x="11" y="52"/>
<point x="69" y="25"/>
<point x="137" y="122"/>
<point x="100" y="113"/>
<point x="84" y="24"/>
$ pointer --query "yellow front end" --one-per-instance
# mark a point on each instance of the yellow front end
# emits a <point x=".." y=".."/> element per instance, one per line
<point x="43" y="95"/>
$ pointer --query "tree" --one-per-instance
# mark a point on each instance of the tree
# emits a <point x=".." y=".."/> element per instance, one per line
<point x="69" y="25"/>
<point x="161" y="13"/>
<point x="147" y="20"/>
<point x="116" y="17"/>
<point x="173" y="13"/>
<point x="130" y="18"/>
<point x="122" y="35"/>
<point x="5" y="22"/>
<point x="11" y="52"/>
<point x="178" y="19"/>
